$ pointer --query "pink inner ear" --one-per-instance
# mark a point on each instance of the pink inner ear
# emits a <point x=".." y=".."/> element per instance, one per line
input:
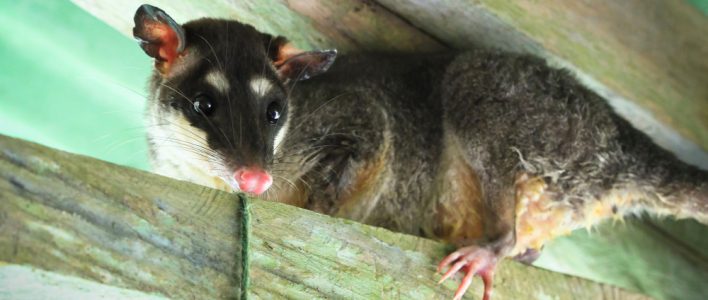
<point x="168" y="40"/>
<point x="285" y="52"/>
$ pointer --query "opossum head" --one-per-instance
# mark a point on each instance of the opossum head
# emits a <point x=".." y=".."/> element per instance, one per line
<point x="220" y="92"/>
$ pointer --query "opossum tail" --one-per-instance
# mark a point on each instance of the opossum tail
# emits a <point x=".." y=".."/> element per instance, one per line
<point x="671" y="186"/>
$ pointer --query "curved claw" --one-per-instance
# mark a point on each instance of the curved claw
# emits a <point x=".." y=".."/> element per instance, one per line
<point x="464" y="285"/>
<point x="448" y="259"/>
<point x="474" y="261"/>
<point x="456" y="267"/>
<point x="487" y="279"/>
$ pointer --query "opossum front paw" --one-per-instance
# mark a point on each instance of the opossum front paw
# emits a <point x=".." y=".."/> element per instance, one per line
<point x="473" y="260"/>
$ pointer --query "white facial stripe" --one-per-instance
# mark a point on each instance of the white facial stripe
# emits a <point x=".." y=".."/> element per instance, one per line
<point x="219" y="81"/>
<point x="260" y="86"/>
<point x="280" y="136"/>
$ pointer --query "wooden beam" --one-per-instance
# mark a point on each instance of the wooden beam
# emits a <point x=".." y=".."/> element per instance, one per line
<point x="120" y="227"/>
<point x="312" y="24"/>
<point x="635" y="53"/>
<point x="80" y="218"/>
<point x="27" y="283"/>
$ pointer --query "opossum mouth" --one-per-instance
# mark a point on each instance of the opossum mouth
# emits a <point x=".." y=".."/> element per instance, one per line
<point x="219" y="170"/>
<point x="231" y="182"/>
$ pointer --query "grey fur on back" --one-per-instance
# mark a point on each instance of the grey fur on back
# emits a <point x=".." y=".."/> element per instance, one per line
<point x="511" y="113"/>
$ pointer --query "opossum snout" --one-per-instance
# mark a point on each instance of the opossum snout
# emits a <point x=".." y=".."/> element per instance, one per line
<point x="253" y="180"/>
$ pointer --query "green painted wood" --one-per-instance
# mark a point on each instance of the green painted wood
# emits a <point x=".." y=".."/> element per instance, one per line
<point x="81" y="217"/>
<point x="61" y="86"/>
<point x="27" y="283"/>
<point x="649" y="52"/>
<point x="637" y="254"/>
<point x="347" y="25"/>
<point x="116" y="226"/>
<point x="701" y="5"/>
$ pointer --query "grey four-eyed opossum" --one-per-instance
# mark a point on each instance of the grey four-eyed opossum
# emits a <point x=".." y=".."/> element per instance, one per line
<point x="497" y="153"/>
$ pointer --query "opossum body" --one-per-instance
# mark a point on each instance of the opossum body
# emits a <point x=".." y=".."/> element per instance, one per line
<point x="497" y="153"/>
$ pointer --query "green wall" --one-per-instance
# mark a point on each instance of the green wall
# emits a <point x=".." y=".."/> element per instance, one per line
<point x="69" y="81"/>
<point x="702" y="5"/>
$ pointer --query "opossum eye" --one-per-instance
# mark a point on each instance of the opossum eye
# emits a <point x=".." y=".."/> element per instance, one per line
<point x="203" y="105"/>
<point x="273" y="112"/>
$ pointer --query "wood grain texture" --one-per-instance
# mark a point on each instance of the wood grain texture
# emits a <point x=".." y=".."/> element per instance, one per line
<point x="116" y="226"/>
<point x="119" y="14"/>
<point x="653" y="52"/>
<point x="367" y="25"/>
<point x="311" y="24"/>
<point x="650" y="52"/>
<point x="119" y="227"/>
<point x="28" y="283"/>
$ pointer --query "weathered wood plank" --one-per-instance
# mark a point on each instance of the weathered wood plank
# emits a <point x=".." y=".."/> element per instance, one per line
<point x="125" y="228"/>
<point x="650" y="52"/>
<point x="369" y="26"/>
<point x="400" y="266"/>
<point x="119" y="14"/>
<point x="27" y="283"/>
<point x="116" y="226"/>
<point x="347" y="25"/>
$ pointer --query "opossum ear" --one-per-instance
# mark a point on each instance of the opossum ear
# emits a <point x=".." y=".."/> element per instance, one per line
<point x="292" y="63"/>
<point x="159" y="36"/>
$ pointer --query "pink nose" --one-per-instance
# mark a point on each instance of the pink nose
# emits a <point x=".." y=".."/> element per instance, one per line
<point x="252" y="180"/>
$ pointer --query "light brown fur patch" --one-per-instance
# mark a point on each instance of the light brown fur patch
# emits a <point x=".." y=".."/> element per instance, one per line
<point x="363" y="194"/>
<point x="294" y="194"/>
<point x="458" y="209"/>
